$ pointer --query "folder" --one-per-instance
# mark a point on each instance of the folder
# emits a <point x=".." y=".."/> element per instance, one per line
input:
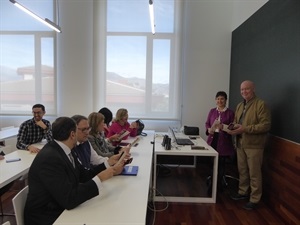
<point x="130" y="170"/>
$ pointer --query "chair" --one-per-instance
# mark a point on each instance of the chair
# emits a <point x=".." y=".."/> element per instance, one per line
<point x="19" y="204"/>
<point x="3" y="190"/>
<point x="6" y="223"/>
<point x="223" y="178"/>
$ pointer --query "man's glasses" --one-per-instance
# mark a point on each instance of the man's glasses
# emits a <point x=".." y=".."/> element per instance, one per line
<point x="85" y="129"/>
<point x="37" y="113"/>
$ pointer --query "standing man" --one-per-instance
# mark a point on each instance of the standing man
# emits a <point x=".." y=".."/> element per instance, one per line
<point x="34" y="130"/>
<point x="57" y="181"/>
<point x="252" y="123"/>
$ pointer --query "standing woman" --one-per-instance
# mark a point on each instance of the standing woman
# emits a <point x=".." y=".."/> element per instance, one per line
<point x="220" y="140"/>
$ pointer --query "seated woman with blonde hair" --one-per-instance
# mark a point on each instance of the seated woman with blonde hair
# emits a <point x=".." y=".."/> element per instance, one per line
<point x="97" y="139"/>
<point x="121" y="124"/>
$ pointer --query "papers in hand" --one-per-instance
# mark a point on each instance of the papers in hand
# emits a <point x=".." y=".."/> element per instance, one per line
<point x="134" y="142"/>
<point x="228" y="127"/>
<point x="130" y="144"/>
<point x="123" y="134"/>
<point x="215" y="125"/>
<point x="121" y="159"/>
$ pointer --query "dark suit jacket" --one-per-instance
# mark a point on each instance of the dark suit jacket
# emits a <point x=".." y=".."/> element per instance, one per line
<point x="55" y="185"/>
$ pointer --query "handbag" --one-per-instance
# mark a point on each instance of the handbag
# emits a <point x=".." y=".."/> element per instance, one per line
<point x="140" y="128"/>
<point x="187" y="130"/>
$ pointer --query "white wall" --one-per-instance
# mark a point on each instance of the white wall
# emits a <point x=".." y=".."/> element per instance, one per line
<point x="75" y="58"/>
<point x="207" y="28"/>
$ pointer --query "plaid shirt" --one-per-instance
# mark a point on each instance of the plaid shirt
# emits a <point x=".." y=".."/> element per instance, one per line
<point x="30" y="133"/>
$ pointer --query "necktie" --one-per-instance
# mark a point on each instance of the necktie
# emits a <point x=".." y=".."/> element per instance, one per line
<point x="243" y="114"/>
<point x="71" y="159"/>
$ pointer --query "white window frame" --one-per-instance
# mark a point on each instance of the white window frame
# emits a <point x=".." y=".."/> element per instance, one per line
<point x="175" y="88"/>
<point x="37" y="36"/>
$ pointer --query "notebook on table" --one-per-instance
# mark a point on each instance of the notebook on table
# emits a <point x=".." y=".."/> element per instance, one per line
<point x="130" y="144"/>
<point x="181" y="141"/>
<point x="130" y="170"/>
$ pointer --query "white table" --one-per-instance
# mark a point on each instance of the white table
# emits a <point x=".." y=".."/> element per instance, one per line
<point x="124" y="198"/>
<point x="13" y="170"/>
<point x="8" y="139"/>
<point x="8" y="133"/>
<point x="186" y="151"/>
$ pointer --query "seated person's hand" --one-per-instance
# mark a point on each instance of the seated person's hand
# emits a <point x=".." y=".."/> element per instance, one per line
<point x="106" y="174"/>
<point x="105" y="127"/>
<point x="126" y="149"/>
<point x="1" y="157"/>
<point x="118" y="168"/>
<point x="114" y="137"/>
<point x="41" y="124"/>
<point x="115" y="158"/>
<point x="33" y="149"/>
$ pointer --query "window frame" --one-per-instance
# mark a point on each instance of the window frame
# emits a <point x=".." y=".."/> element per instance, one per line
<point x="175" y="87"/>
<point x="38" y="36"/>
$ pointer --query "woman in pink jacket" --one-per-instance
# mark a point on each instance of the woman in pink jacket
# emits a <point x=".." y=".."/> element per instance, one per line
<point x="121" y="125"/>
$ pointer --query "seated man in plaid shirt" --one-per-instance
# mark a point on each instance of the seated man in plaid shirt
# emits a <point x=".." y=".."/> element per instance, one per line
<point x="34" y="130"/>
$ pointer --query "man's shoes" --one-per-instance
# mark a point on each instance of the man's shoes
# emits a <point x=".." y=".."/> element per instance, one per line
<point x="250" y="206"/>
<point x="239" y="196"/>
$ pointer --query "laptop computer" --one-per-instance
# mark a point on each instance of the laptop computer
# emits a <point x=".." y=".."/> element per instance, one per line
<point x="181" y="141"/>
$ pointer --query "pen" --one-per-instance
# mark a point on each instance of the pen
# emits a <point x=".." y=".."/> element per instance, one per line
<point x="13" y="160"/>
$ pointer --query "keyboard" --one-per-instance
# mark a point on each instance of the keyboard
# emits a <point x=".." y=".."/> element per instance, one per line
<point x="184" y="141"/>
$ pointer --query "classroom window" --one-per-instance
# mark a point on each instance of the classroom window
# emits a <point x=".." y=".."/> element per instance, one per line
<point x="140" y="69"/>
<point x="27" y="68"/>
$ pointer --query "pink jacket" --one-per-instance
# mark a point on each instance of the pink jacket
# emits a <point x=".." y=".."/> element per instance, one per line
<point x="116" y="128"/>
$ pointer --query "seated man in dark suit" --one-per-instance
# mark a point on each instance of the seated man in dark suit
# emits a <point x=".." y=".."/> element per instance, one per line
<point x="57" y="181"/>
<point x="84" y="151"/>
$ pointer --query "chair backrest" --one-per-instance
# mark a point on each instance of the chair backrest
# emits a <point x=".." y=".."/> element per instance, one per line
<point x="19" y="204"/>
<point x="6" y="223"/>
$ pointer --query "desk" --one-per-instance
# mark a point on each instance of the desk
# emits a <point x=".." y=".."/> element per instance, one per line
<point x="13" y="170"/>
<point x="8" y="133"/>
<point x="8" y="139"/>
<point x="124" y="199"/>
<point x="186" y="151"/>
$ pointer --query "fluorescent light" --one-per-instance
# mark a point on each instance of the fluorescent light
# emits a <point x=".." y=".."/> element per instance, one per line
<point x="45" y="21"/>
<point x="151" y="12"/>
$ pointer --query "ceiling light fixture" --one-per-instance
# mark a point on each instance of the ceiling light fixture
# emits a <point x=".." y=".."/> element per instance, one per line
<point x="45" y="21"/>
<point x="151" y="12"/>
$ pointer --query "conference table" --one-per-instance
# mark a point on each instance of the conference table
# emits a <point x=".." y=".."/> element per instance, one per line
<point x="16" y="164"/>
<point x="185" y="150"/>
<point x="21" y="160"/>
<point x="8" y="133"/>
<point x="124" y="199"/>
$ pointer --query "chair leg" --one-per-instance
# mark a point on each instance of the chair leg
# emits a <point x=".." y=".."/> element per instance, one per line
<point x="224" y="181"/>
<point x="231" y="177"/>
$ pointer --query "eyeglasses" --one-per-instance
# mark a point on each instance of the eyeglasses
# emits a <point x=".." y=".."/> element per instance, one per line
<point x="37" y="113"/>
<point x="85" y="129"/>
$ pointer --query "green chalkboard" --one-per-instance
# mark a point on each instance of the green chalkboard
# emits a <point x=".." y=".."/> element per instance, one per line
<point x="266" y="50"/>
